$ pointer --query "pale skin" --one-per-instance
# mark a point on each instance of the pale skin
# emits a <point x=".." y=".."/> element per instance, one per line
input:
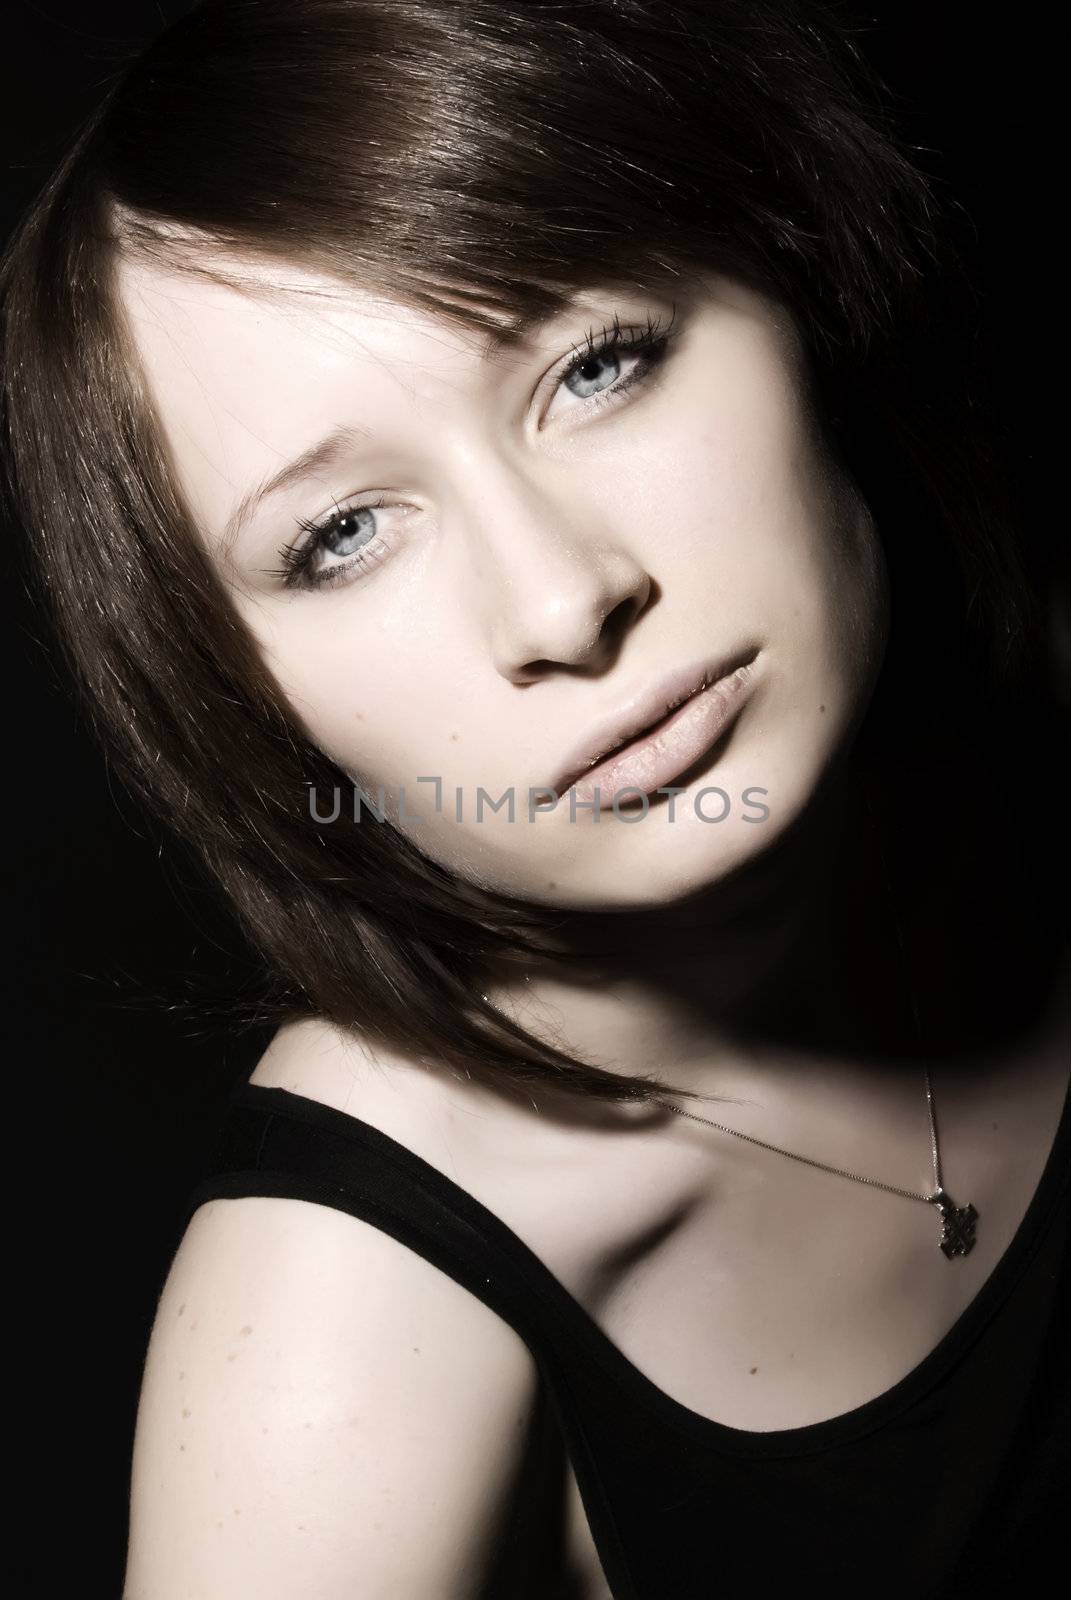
<point x="548" y="556"/>
<point x="538" y="556"/>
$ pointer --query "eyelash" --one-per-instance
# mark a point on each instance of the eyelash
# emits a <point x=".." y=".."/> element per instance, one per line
<point x="652" y="345"/>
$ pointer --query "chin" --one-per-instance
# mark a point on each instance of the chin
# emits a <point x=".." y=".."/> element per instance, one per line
<point x="746" y="797"/>
<point x="723" y="820"/>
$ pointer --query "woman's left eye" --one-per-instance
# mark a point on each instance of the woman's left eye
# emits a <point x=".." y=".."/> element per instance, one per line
<point x="593" y="375"/>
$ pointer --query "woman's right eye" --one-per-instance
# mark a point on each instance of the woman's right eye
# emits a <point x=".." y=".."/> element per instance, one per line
<point x="348" y="541"/>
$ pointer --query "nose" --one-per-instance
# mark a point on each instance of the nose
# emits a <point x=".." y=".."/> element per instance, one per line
<point x="557" y="586"/>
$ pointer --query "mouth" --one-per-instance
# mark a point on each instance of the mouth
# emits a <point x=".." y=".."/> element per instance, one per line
<point x="662" y="732"/>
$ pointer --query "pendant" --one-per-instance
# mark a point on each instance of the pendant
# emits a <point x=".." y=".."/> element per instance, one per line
<point x="957" y="1235"/>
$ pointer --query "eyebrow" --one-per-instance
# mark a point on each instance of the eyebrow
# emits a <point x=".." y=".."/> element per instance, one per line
<point x="325" y="453"/>
<point x="334" y="445"/>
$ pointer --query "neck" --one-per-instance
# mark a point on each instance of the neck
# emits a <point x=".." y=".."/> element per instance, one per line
<point x="891" y="923"/>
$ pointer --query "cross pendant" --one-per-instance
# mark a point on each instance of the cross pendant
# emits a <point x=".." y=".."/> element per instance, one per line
<point x="957" y="1234"/>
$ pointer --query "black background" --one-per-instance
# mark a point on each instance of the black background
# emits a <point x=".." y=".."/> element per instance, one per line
<point x="114" y="1093"/>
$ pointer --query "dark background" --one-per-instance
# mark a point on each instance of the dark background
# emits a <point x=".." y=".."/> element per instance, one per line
<point x="116" y="1090"/>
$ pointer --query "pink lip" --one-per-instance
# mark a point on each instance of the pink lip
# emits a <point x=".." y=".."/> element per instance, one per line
<point x="612" y="754"/>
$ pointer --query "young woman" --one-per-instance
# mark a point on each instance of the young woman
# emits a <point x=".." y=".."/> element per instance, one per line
<point x="512" y="490"/>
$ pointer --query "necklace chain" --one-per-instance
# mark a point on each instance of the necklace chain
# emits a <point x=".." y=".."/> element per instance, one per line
<point x="957" y="1237"/>
<point x="841" y="1172"/>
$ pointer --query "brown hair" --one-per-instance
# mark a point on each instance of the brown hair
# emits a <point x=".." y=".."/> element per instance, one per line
<point x="479" y="160"/>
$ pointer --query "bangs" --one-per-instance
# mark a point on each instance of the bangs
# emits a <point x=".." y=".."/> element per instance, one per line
<point x="481" y="163"/>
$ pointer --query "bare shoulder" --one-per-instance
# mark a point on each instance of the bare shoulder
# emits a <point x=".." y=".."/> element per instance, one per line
<point x="312" y="1057"/>
<point x="438" y="1116"/>
<point x="322" y="1411"/>
<point x="574" y="1179"/>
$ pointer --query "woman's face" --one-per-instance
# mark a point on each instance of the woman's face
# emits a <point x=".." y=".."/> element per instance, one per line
<point x="514" y="559"/>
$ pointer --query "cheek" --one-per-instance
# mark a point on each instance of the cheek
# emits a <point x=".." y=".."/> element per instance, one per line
<point x="343" y="690"/>
<point x="773" y="535"/>
<point x="781" y="547"/>
<point x="849" y="576"/>
<point x="371" y="704"/>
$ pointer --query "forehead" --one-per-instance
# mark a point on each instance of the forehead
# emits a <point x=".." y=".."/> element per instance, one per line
<point x="244" y="374"/>
<point x="278" y="321"/>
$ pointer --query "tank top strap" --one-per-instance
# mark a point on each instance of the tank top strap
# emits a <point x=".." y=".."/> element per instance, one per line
<point x="275" y="1143"/>
<point x="272" y="1142"/>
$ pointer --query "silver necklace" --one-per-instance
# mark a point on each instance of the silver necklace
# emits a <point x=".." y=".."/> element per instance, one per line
<point x="957" y="1222"/>
<point x="957" y="1230"/>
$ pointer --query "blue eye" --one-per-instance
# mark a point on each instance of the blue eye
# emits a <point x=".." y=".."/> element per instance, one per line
<point x="601" y="355"/>
<point x="589" y="382"/>
<point x="349" y="532"/>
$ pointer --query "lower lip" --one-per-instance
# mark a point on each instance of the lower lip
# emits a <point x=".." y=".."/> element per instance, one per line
<point x="670" y="749"/>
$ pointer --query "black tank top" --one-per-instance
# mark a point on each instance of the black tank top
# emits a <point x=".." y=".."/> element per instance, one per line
<point x="956" y="1482"/>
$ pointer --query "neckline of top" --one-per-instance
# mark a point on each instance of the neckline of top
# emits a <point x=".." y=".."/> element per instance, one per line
<point x="784" y="1442"/>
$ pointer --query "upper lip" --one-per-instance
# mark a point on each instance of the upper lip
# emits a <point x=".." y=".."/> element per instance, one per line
<point x="639" y="713"/>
